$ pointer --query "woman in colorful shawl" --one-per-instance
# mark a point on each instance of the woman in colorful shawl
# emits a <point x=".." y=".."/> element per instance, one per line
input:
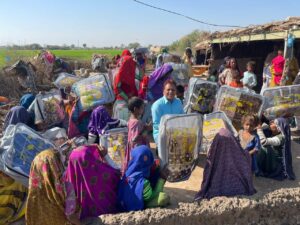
<point x="12" y="199"/>
<point x="93" y="181"/>
<point x="139" y="189"/>
<point x="227" y="75"/>
<point x="19" y="114"/>
<point x="277" y="69"/>
<point x="228" y="169"/>
<point x="157" y="80"/>
<point x="275" y="158"/>
<point x="47" y="194"/>
<point x="101" y="121"/>
<point x="78" y="121"/>
<point x="124" y="86"/>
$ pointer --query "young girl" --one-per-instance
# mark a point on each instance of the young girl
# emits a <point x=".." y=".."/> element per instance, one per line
<point x="249" y="140"/>
<point x="249" y="79"/>
<point x="137" y="130"/>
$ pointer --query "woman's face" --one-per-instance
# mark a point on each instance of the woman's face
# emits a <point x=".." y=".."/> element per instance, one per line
<point x="233" y="64"/>
<point x="170" y="91"/>
<point x="274" y="128"/>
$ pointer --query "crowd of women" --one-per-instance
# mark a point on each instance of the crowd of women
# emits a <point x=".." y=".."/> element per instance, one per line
<point x="91" y="184"/>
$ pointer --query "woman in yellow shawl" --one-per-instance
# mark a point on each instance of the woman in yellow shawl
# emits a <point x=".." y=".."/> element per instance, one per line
<point x="47" y="194"/>
<point x="12" y="199"/>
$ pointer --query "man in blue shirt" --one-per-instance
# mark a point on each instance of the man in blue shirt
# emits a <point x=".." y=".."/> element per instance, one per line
<point x="168" y="104"/>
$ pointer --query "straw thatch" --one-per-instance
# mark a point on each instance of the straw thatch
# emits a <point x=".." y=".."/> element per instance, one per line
<point x="277" y="26"/>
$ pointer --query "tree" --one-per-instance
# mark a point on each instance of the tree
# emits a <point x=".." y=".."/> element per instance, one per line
<point x="72" y="46"/>
<point x="84" y="45"/>
<point x="134" y="45"/>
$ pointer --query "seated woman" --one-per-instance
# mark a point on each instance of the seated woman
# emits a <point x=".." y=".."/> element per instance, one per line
<point x="275" y="158"/>
<point x="12" y="199"/>
<point x="228" y="169"/>
<point x="101" y="121"/>
<point x="91" y="183"/>
<point x="19" y="114"/>
<point x="47" y="197"/>
<point x="138" y="189"/>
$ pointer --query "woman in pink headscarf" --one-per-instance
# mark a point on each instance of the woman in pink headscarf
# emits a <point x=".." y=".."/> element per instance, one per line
<point x="278" y="66"/>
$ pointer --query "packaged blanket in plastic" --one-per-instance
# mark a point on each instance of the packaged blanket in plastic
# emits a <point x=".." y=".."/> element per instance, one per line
<point x="56" y="135"/>
<point x="115" y="140"/>
<point x="236" y="103"/>
<point x="19" y="145"/>
<point x="200" y="96"/>
<point x="282" y="101"/>
<point x="212" y="124"/>
<point x="179" y="144"/>
<point x="180" y="73"/>
<point x="48" y="108"/>
<point x="65" y="80"/>
<point x="66" y="148"/>
<point x="94" y="91"/>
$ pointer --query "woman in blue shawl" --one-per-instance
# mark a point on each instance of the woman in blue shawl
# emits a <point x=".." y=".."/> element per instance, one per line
<point x="139" y="188"/>
<point x="275" y="157"/>
<point x="19" y="114"/>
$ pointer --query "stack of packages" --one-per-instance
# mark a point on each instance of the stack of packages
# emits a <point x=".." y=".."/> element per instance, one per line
<point x="283" y="101"/>
<point x="212" y="124"/>
<point x="200" y="96"/>
<point x="236" y="103"/>
<point x="179" y="144"/>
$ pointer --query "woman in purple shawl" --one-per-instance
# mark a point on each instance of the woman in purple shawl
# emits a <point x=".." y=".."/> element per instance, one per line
<point x="19" y="114"/>
<point x="91" y="182"/>
<point x="157" y="80"/>
<point x="100" y="121"/>
<point x="228" y="169"/>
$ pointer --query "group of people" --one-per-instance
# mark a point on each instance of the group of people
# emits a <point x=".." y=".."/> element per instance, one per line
<point x="91" y="184"/>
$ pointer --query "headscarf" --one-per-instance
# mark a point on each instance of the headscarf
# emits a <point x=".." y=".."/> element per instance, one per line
<point x="46" y="198"/>
<point x="95" y="182"/>
<point x="157" y="79"/>
<point x="17" y="114"/>
<point x="125" y="52"/>
<point x="26" y="100"/>
<point x="287" y="164"/>
<point x="100" y="121"/>
<point x="125" y="78"/>
<point x="228" y="170"/>
<point x="12" y="198"/>
<point x="130" y="194"/>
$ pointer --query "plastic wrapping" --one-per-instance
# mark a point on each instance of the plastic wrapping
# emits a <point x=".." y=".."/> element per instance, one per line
<point x="48" y="108"/>
<point x="236" y="103"/>
<point x="180" y="73"/>
<point x="212" y="124"/>
<point x="65" y="80"/>
<point x="94" y="91"/>
<point x="282" y="101"/>
<point x="200" y="96"/>
<point x="19" y="146"/>
<point x="115" y="140"/>
<point x="179" y="144"/>
<point x="56" y="135"/>
<point x="66" y="148"/>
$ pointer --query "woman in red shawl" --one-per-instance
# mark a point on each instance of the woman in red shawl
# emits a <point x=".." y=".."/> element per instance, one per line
<point x="124" y="85"/>
<point x="278" y="66"/>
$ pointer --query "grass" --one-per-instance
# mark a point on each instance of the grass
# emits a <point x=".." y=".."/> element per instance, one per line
<point x="8" y="57"/>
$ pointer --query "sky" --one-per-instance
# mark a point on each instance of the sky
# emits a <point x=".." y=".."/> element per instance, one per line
<point x="105" y="23"/>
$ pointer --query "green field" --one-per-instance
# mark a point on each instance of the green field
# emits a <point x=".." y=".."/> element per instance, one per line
<point x="8" y="57"/>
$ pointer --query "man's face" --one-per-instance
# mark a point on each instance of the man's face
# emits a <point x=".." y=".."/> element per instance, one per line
<point x="170" y="91"/>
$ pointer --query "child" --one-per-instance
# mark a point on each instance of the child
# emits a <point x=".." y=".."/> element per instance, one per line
<point x="180" y="92"/>
<point x="249" y="140"/>
<point x="249" y="79"/>
<point x="236" y="80"/>
<point x="137" y="130"/>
